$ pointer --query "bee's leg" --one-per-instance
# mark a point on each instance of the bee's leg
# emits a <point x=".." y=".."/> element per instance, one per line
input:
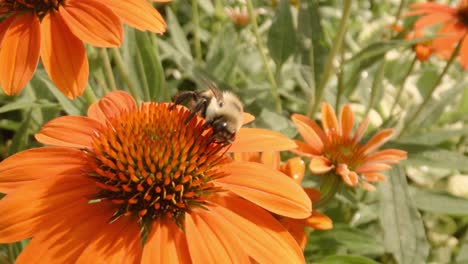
<point x="201" y="104"/>
<point x="181" y="97"/>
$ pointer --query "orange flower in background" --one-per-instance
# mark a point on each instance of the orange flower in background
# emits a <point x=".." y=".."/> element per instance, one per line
<point x="294" y="168"/>
<point x="334" y="149"/>
<point x="454" y="27"/>
<point x="56" y="29"/>
<point x="422" y="50"/>
<point x="127" y="174"/>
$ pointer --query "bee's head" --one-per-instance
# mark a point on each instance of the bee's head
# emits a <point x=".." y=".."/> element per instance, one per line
<point x="222" y="132"/>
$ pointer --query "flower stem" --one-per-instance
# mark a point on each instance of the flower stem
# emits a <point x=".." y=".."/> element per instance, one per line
<point x="271" y="77"/>
<point x="340" y="85"/>
<point x="196" y="36"/>
<point x="402" y="85"/>
<point x="376" y="84"/>
<point x="121" y="68"/>
<point x="329" y="186"/>
<point x="314" y="101"/>
<point x="107" y="69"/>
<point x="428" y="96"/>
<point x="89" y="95"/>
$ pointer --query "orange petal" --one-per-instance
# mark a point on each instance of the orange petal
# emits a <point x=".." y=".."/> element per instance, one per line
<point x="314" y="194"/>
<point x="260" y="140"/>
<point x="247" y="156"/>
<point x="373" y="167"/>
<point x="29" y="208"/>
<point x="69" y="131"/>
<point x="351" y="178"/>
<point x="247" y="118"/>
<point x="271" y="159"/>
<point x="449" y="35"/>
<point x="207" y="244"/>
<point x="319" y="221"/>
<point x="464" y="53"/>
<point x="306" y="128"/>
<point x="296" y="228"/>
<point x="166" y="244"/>
<point x="294" y="168"/>
<point x="4" y="25"/>
<point x="304" y="150"/>
<point x="125" y="247"/>
<point x="93" y="22"/>
<point x="19" y="53"/>
<point x="138" y="14"/>
<point x="361" y="129"/>
<point x="329" y="121"/>
<point x="432" y="7"/>
<point x="432" y="19"/>
<point x="32" y="164"/>
<point x="369" y="187"/>
<point x="63" y="56"/>
<point x="377" y="141"/>
<point x="111" y="105"/>
<point x="390" y="156"/>
<point x="374" y="177"/>
<point x="320" y="165"/>
<point x="267" y="188"/>
<point x="262" y="236"/>
<point x="346" y="121"/>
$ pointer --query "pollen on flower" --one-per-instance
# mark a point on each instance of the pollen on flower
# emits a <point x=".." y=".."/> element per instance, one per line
<point x="151" y="164"/>
<point x="39" y="7"/>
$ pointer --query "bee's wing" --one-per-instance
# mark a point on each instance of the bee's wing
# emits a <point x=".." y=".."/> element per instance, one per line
<point x="217" y="93"/>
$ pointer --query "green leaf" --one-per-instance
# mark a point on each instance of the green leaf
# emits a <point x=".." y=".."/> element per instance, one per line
<point x="439" y="202"/>
<point x="21" y="138"/>
<point x="282" y="35"/>
<point x="439" y="159"/>
<point x="346" y="259"/>
<point x="177" y="34"/>
<point x="311" y="37"/>
<point x="21" y="104"/>
<point x="356" y="241"/>
<point x="403" y="228"/>
<point x="435" y="137"/>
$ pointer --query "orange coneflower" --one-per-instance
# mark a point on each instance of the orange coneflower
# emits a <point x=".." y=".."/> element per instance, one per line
<point x="334" y="149"/>
<point x="454" y="27"/>
<point x="56" y="29"/>
<point x="295" y="169"/>
<point x="132" y="184"/>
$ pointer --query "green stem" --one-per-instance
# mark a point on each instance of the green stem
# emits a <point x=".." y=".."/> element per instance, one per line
<point x="377" y="82"/>
<point x="196" y="36"/>
<point x="402" y="85"/>
<point x="340" y="85"/>
<point x="399" y="10"/>
<point x="89" y="95"/>
<point x="125" y="77"/>
<point x="329" y="186"/>
<point x="428" y="96"/>
<point x="271" y="77"/>
<point x="328" y="68"/>
<point x="107" y="69"/>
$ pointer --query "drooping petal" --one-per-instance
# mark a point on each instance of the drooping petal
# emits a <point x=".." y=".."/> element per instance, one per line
<point x="304" y="150"/>
<point x="266" y="187"/>
<point x="260" y="140"/>
<point x="138" y="14"/>
<point x="319" y="221"/>
<point x="271" y="159"/>
<point x="361" y="129"/>
<point x="432" y="7"/>
<point x="32" y="164"/>
<point x="294" y="168"/>
<point x="125" y="247"/>
<point x="346" y="121"/>
<point x="314" y="194"/>
<point x="65" y="240"/>
<point x="69" y="131"/>
<point x="329" y="121"/>
<point x="307" y="131"/>
<point x="43" y="197"/>
<point x="448" y="37"/>
<point x="296" y="228"/>
<point x="262" y="236"/>
<point x="373" y="167"/>
<point x="4" y="25"/>
<point x="63" y="56"/>
<point x="431" y="20"/>
<point x="93" y="22"/>
<point x="320" y="165"/>
<point x="377" y="141"/>
<point x="388" y="156"/>
<point x="166" y="244"/>
<point x="374" y="177"/>
<point x="111" y="105"/>
<point x="19" y="52"/>
<point x="207" y="245"/>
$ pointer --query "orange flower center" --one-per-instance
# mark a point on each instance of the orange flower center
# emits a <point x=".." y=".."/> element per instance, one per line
<point x="340" y="150"/>
<point x="152" y="164"/>
<point x="39" y="7"/>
